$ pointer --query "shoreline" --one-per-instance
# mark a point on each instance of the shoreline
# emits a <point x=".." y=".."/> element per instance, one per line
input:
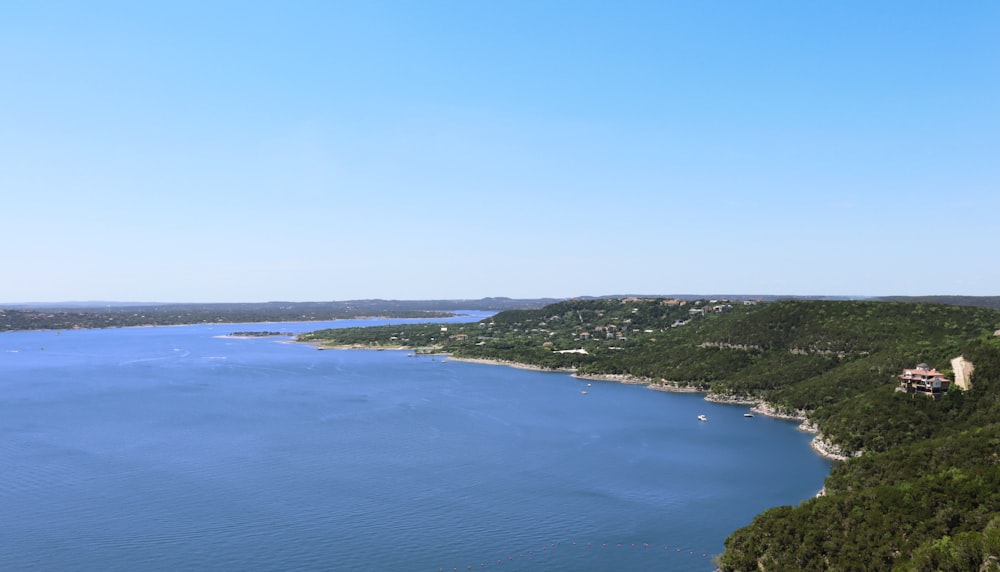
<point x="663" y="385"/>
<point x="819" y="444"/>
<point x="513" y="364"/>
<point x="322" y="346"/>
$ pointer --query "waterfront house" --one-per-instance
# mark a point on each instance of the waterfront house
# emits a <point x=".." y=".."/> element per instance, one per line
<point x="924" y="379"/>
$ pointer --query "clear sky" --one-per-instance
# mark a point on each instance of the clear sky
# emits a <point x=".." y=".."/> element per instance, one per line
<point x="209" y="151"/>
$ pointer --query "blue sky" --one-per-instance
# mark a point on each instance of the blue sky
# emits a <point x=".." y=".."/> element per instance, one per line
<point x="240" y="151"/>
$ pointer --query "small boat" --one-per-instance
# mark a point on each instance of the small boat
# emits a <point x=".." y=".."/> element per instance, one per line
<point x="748" y="414"/>
<point x="584" y="392"/>
<point x="702" y="418"/>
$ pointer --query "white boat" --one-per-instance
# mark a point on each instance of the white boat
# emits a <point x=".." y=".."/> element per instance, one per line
<point x="702" y="418"/>
<point x="584" y="392"/>
<point x="748" y="414"/>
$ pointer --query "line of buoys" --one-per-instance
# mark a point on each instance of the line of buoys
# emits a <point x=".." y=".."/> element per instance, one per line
<point x="550" y="548"/>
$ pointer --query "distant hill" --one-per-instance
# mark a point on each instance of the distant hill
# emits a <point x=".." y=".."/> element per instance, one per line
<point x="692" y="297"/>
<point x="974" y="301"/>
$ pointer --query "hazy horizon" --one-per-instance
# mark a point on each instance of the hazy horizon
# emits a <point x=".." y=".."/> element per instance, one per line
<point x="730" y="295"/>
<point x="439" y="150"/>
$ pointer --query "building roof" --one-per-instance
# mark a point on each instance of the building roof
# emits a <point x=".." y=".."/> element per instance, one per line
<point x="922" y="371"/>
<point x="921" y="374"/>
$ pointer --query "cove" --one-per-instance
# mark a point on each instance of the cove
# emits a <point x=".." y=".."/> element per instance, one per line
<point x="176" y="448"/>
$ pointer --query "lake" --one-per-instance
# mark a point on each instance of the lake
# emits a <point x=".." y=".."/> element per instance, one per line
<point x="174" y="448"/>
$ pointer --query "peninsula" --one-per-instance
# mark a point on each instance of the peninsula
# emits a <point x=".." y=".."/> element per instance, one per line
<point x="920" y="486"/>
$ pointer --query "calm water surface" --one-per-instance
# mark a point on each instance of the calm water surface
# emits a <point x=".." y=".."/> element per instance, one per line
<point x="173" y="448"/>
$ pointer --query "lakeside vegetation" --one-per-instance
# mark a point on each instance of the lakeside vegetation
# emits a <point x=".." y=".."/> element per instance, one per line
<point x="924" y="494"/>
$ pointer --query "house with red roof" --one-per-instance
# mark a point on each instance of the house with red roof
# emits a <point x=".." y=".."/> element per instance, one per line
<point x="924" y="379"/>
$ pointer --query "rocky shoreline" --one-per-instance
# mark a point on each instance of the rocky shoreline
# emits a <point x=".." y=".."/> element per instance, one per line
<point x="661" y="385"/>
<point x="513" y="364"/>
<point x="322" y="346"/>
<point x="830" y="450"/>
<point x="819" y="444"/>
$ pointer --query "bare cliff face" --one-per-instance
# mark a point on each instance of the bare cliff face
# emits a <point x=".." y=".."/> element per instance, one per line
<point x="963" y="369"/>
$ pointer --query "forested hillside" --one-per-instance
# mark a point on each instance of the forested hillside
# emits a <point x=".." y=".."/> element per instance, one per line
<point x="925" y="495"/>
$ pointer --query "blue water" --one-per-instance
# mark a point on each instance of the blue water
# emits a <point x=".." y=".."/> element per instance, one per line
<point x="171" y="448"/>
